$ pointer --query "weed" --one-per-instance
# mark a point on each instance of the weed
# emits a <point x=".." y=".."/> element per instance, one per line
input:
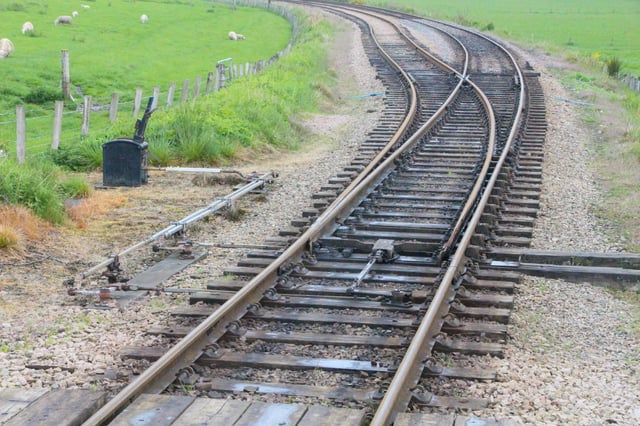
<point x="489" y="27"/>
<point x="234" y="214"/>
<point x="614" y="64"/>
<point x="83" y="156"/>
<point x="161" y="151"/>
<point x="75" y="187"/>
<point x="34" y="186"/>
<point x="10" y="240"/>
<point x="42" y="95"/>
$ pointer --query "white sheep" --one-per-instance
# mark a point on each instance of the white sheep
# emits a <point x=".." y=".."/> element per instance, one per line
<point x="27" y="27"/>
<point x="144" y="19"/>
<point x="86" y="6"/>
<point x="240" y="36"/>
<point x="233" y="35"/>
<point x="74" y="13"/>
<point x="63" y="20"/>
<point x="6" y="47"/>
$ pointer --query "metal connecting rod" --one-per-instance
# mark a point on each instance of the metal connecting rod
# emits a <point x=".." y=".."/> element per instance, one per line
<point x="175" y="227"/>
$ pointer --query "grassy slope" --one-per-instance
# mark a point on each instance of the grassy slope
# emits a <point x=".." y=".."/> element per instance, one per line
<point x="605" y="28"/>
<point x="111" y="51"/>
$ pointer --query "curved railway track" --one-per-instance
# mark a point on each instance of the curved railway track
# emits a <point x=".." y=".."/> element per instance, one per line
<point x="379" y="292"/>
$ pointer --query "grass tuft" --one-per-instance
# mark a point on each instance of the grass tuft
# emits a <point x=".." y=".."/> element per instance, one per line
<point x="614" y="65"/>
<point x="95" y="205"/>
<point x="76" y="187"/>
<point x="10" y="240"/>
<point x="18" y="226"/>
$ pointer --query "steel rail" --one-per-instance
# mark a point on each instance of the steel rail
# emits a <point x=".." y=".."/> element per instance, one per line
<point x="403" y="31"/>
<point x="337" y="203"/>
<point x="188" y="349"/>
<point x="405" y="378"/>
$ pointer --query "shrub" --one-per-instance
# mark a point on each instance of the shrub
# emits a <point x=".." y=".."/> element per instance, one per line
<point x="614" y="64"/>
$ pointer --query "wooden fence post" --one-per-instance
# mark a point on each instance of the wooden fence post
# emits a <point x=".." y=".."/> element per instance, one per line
<point x="21" y="133"/>
<point x="209" y="82"/>
<point x="66" y="75"/>
<point x="219" y="78"/>
<point x="156" y="95"/>
<point x="57" y="124"/>
<point x="196" y="87"/>
<point x="113" y="109"/>
<point x="185" y="91"/>
<point x="136" y="102"/>
<point x="172" y="92"/>
<point x="86" y="116"/>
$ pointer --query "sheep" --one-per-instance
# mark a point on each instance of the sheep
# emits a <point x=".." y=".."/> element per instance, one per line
<point x="63" y="20"/>
<point x="74" y="13"/>
<point x="235" y="36"/>
<point x="27" y="27"/>
<point x="144" y="19"/>
<point x="6" y="47"/>
<point x="86" y="6"/>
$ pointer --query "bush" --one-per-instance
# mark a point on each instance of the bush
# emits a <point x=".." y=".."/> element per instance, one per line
<point x="614" y="64"/>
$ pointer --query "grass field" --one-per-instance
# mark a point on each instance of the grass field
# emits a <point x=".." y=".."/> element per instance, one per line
<point x="589" y="27"/>
<point x="111" y="51"/>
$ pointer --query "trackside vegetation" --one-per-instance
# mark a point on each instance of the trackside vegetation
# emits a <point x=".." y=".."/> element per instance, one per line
<point x="110" y="50"/>
<point x="251" y="114"/>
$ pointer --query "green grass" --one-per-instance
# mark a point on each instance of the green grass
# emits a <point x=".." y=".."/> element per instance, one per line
<point x="589" y="27"/>
<point x="250" y="114"/>
<point x="36" y="187"/>
<point x="111" y="51"/>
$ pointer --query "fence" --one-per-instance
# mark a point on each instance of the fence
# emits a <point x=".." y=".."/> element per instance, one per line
<point x="213" y="82"/>
<point x="632" y="82"/>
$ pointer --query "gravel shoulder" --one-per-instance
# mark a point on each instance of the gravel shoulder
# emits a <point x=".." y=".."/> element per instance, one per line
<point x="574" y="352"/>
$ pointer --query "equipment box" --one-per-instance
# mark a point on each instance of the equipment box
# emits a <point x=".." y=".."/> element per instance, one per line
<point x="124" y="163"/>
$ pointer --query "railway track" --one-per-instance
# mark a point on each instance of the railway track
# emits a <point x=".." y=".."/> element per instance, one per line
<point x="382" y="289"/>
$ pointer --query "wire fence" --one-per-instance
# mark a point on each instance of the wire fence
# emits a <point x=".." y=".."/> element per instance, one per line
<point x="38" y="130"/>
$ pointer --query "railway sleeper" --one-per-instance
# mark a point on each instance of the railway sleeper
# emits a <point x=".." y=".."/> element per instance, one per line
<point x="224" y="358"/>
<point x="452" y="326"/>
<point x="339" y="393"/>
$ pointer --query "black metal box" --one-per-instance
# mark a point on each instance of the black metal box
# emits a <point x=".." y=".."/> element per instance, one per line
<point x="124" y="162"/>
